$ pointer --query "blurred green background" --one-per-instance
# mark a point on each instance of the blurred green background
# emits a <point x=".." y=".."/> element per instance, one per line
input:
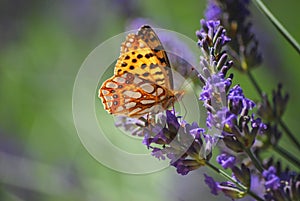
<point x="42" y="46"/>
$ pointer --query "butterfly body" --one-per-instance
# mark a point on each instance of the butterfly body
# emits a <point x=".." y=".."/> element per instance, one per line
<point x="142" y="81"/>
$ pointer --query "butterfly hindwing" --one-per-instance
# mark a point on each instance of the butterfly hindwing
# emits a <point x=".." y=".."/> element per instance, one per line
<point x="132" y="96"/>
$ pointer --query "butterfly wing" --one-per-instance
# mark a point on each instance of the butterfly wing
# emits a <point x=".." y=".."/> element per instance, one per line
<point x="133" y="96"/>
<point x="147" y="34"/>
<point x="142" y="54"/>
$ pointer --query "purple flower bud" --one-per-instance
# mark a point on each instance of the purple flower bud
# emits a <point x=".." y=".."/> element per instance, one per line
<point x="272" y="181"/>
<point x="226" y="160"/>
<point x="237" y="101"/>
<point x="214" y="186"/>
<point x="197" y="132"/>
<point x="258" y="126"/>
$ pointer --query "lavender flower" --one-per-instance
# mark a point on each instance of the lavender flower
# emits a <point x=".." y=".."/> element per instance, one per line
<point x="225" y="41"/>
<point x="214" y="186"/>
<point x="272" y="112"/>
<point x="272" y="180"/>
<point x="234" y="16"/>
<point x="238" y="103"/>
<point x="280" y="184"/>
<point x="227" y="107"/>
<point x="275" y="110"/>
<point x="228" y="110"/>
<point x="184" y="144"/>
<point x="226" y="160"/>
<point x="228" y="188"/>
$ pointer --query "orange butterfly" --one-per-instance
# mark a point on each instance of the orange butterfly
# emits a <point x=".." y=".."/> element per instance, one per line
<point x="142" y="82"/>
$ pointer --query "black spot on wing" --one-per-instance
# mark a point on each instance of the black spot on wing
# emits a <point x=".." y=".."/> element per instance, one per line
<point x="146" y="74"/>
<point x="162" y="60"/>
<point x="152" y="66"/>
<point x="160" y="80"/>
<point x="143" y="66"/>
<point x="158" y="48"/>
<point x="153" y="39"/>
<point x="158" y="73"/>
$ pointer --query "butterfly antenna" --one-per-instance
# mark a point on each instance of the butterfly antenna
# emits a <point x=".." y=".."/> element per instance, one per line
<point x="193" y="78"/>
<point x="184" y="111"/>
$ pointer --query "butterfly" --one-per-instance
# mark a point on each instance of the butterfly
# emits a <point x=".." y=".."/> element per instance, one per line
<point x="142" y="82"/>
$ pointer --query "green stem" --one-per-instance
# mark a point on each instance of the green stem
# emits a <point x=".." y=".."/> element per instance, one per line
<point x="252" y="79"/>
<point x="254" y="160"/>
<point x="294" y="43"/>
<point x="289" y="134"/>
<point x="224" y="174"/>
<point x="287" y="155"/>
<point x="277" y="24"/>
<point x="239" y="185"/>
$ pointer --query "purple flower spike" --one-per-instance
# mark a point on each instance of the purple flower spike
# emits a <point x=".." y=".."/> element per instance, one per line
<point x="234" y="17"/>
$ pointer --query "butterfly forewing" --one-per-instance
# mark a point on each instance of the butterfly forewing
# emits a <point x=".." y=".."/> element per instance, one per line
<point x="147" y="34"/>
<point x="143" y="54"/>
